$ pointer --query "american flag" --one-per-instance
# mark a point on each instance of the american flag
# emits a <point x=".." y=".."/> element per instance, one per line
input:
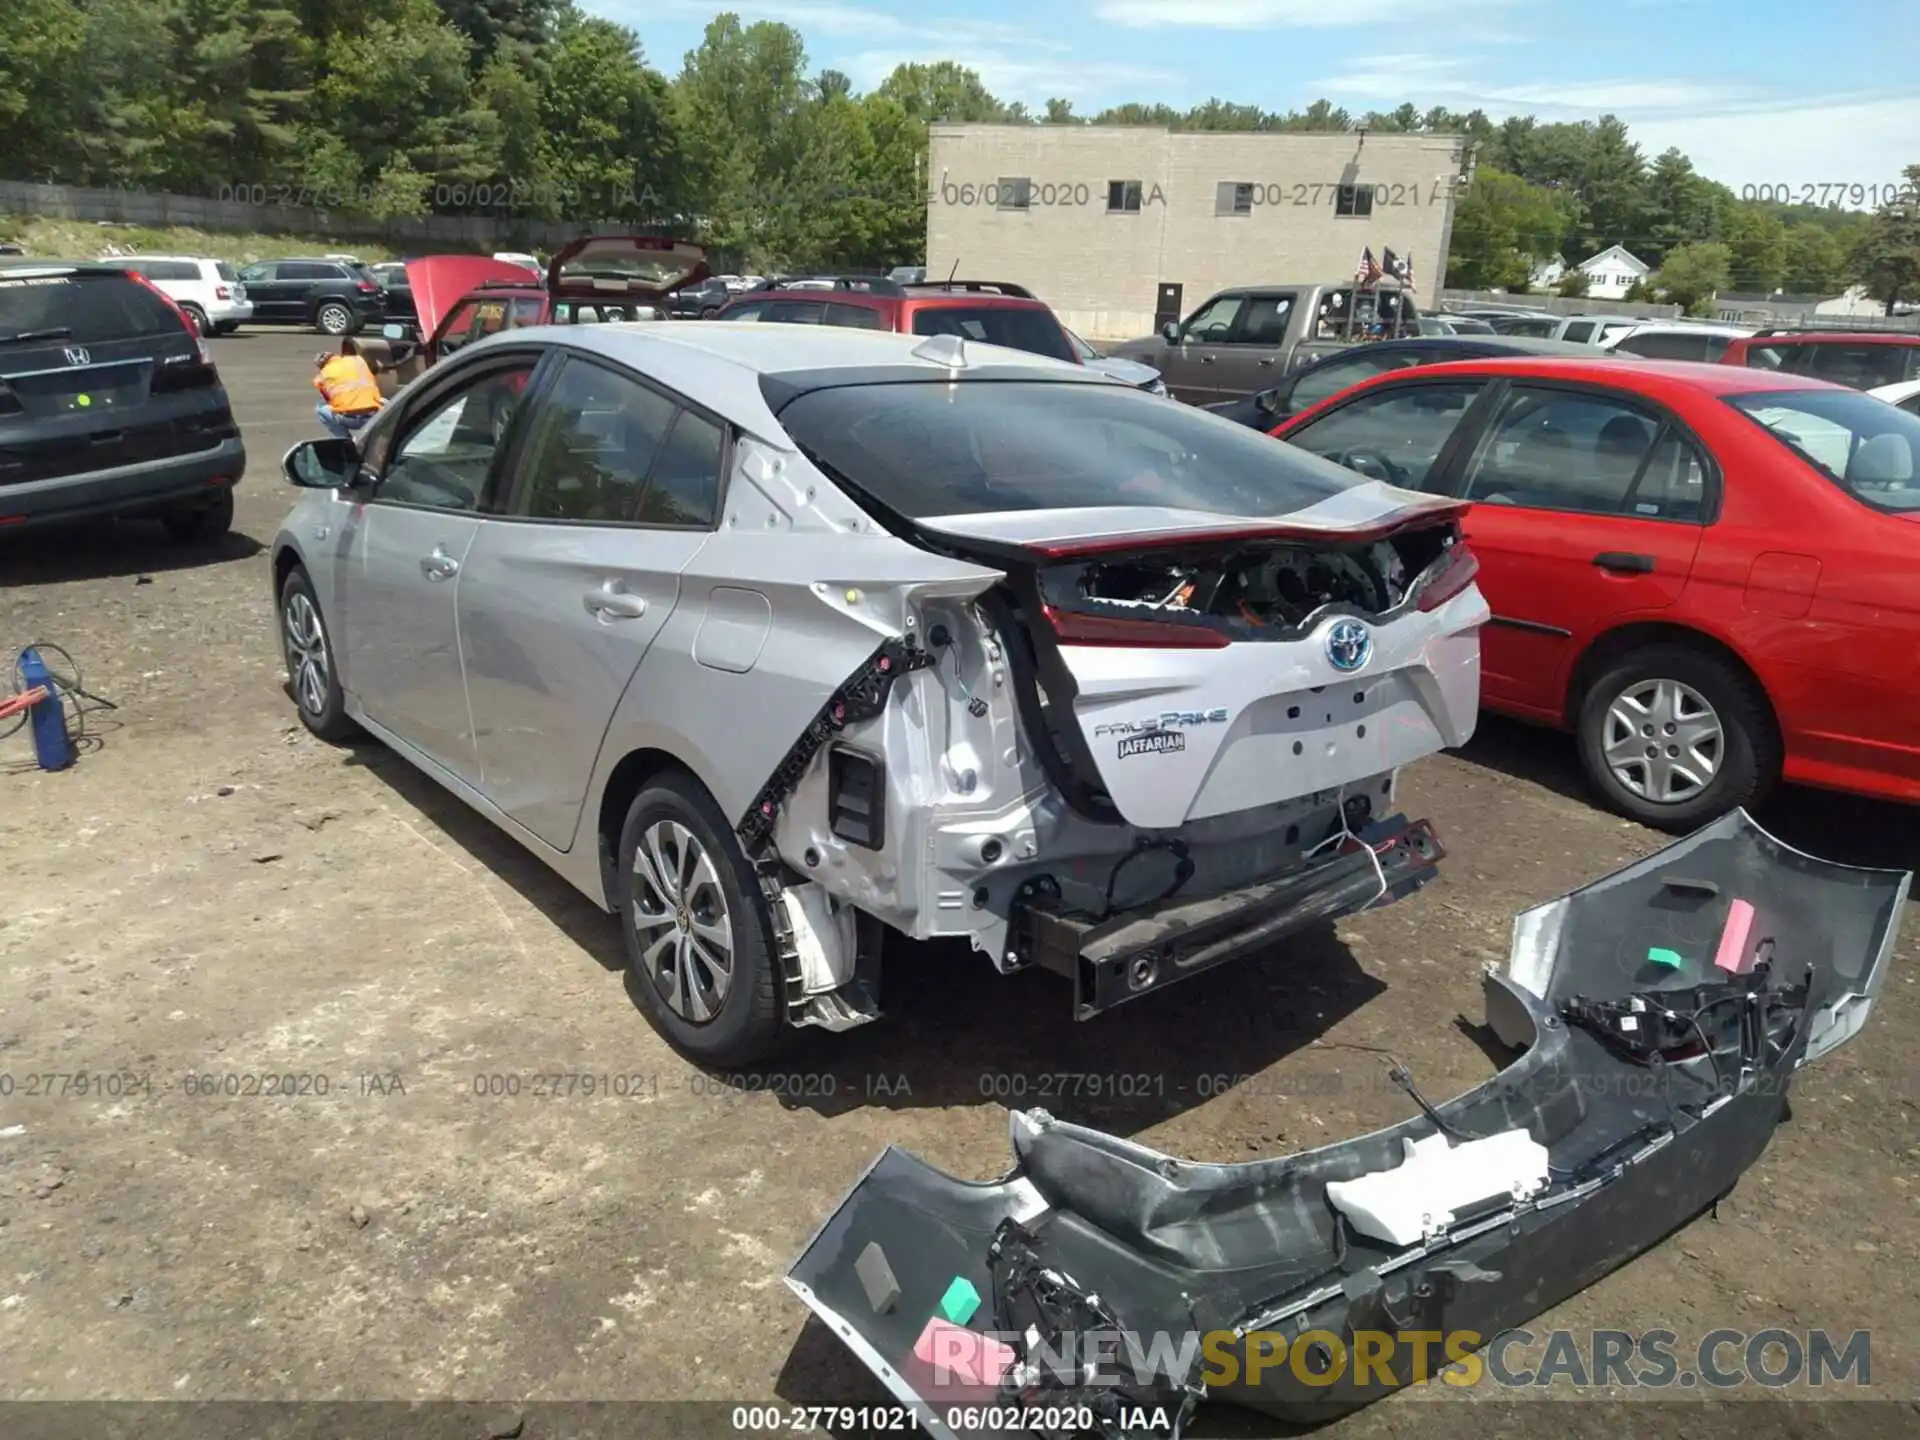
<point x="1368" y="270"/>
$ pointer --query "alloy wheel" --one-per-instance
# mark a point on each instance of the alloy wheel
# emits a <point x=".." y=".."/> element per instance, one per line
<point x="334" y="319"/>
<point x="680" y="917"/>
<point x="1662" y="741"/>
<point x="307" y="663"/>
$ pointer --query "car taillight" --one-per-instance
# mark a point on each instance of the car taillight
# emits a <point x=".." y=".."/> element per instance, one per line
<point x="367" y="287"/>
<point x="186" y="321"/>
<point x="220" y="292"/>
<point x="1455" y="574"/>
<point x="1071" y="627"/>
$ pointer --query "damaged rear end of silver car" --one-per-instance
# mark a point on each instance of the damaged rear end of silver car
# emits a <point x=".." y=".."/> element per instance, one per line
<point x="1662" y="1014"/>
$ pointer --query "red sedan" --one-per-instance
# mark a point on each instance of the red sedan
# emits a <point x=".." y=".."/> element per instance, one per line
<point x="1704" y="572"/>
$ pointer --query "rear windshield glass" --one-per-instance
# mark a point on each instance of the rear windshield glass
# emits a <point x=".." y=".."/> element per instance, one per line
<point x="1869" y="448"/>
<point x="87" y="309"/>
<point x="224" y="269"/>
<point x="927" y="449"/>
<point x="1035" y="331"/>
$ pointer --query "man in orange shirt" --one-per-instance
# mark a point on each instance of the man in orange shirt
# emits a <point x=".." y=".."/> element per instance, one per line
<point x="349" y="395"/>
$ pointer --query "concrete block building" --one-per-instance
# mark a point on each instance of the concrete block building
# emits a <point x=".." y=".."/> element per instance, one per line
<point x="1122" y="227"/>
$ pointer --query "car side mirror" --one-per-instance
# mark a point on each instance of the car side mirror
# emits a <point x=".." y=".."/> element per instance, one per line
<point x="329" y="464"/>
<point x="1170" y="332"/>
<point x="1275" y="402"/>
<point x="396" y="330"/>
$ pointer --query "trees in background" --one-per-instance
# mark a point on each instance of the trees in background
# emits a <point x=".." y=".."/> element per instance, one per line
<point x="535" y="108"/>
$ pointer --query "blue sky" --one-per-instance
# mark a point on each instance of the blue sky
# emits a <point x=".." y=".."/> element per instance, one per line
<point x="1756" y="91"/>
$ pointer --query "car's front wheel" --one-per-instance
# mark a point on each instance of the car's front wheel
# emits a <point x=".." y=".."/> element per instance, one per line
<point x="1674" y="736"/>
<point x="698" y="934"/>
<point x="309" y="655"/>
<point x="333" y="318"/>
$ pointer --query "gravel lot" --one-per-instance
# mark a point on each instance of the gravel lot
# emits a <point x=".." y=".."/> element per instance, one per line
<point x="210" y="893"/>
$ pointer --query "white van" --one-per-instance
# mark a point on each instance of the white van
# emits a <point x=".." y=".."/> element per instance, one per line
<point x="207" y="290"/>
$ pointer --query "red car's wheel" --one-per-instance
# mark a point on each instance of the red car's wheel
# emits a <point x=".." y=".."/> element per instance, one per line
<point x="1673" y="736"/>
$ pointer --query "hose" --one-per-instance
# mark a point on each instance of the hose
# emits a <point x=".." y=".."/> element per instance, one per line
<point x="68" y="681"/>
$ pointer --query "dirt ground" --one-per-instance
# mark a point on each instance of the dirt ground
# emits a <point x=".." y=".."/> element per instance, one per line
<point x="211" y="896"/>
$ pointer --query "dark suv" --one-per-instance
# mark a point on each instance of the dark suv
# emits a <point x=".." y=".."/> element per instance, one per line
<point x="703" y="301"/>
<point x="1863" y="360"/>
<point x="333" y="296"/>
<point x="992" y="312"/>
<point x="110" y="405"/>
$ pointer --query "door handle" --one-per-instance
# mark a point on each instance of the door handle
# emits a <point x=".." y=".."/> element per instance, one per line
<point x="1267" y="364"/>
<point x="612" y="603"/>
<point x="1206" y="359"/>
<point x="439" y="565"/>
<point x="1624" y="563"/>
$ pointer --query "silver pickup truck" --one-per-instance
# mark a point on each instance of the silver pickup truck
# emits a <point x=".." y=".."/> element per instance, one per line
<point x="1243" y="340"/>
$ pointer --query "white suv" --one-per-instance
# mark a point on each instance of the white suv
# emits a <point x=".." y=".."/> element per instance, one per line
<point x="207" y="290"/>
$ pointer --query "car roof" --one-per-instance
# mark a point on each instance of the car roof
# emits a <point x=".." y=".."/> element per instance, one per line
<point x="1647" y="376"/>
<point x="718" y="364"/>
<point x="1692" y="327"/>
<point x="1845" y="337"/>
<point x="1895" y="393"/>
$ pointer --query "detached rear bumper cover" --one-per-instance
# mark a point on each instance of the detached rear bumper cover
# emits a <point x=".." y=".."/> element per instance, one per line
<point x="1093" y="1233"/>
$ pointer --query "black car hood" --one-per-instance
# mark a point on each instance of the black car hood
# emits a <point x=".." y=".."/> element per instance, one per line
<point x="1090" y="1234"/>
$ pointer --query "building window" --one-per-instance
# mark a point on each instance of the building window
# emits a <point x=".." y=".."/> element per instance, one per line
<point x="1233" y="197"/>
<point x="1354" y="200"/>
<point x="1123" y="197"/>
<point x="1014" y="192"/>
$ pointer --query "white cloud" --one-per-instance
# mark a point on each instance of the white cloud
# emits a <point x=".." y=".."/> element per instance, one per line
<point x="1808" y="142"/>
<point x="1279" y="14"/>
<point x="1734" y="134"/>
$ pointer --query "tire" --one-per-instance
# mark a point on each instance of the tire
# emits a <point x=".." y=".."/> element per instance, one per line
<point x="199" y="317"/>
<point x="672" y="828"/>
<point x="308" y="650"/>
<point x="333" y="318"/>
<point x="1677" y="685"/>
<point x="226" y="327"/>
<point x="203" y="522"/>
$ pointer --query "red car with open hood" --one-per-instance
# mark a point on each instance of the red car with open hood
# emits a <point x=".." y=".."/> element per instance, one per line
<point x="1704" y="571"/>
<point x="462" y="298"/>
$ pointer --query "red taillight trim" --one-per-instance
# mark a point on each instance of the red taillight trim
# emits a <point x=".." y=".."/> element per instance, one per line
<point x="1070" y="627"/>
<point x="1242" y="534"/>
<point x="221" y="292"/>
<point x="1455" y="575"/>
<point x="367" y="287"/>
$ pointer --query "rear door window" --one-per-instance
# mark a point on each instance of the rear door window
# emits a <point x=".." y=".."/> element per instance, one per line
<point x="795" y="312"/>
<point x="1016" y="328"/>
<point x="305" y="270"/>
<point x="596" y="438"/>
<point x="85" y="309"/>
<point x="1264" y="321"/>
<point x="855" y="317"/>
<point x="1673" y="345"/>
<point x="1551" y="450"/>
<point x="1860" y="367"/>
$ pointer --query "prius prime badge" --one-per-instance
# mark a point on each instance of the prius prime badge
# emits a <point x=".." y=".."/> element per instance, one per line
<point x="1349" y="645"/>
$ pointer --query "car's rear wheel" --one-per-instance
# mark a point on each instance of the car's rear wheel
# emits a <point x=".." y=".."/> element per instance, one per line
<point x="698" y="933"/>
<point x="1674" y="735"/>
<point x="202" y="521"/>
<point x="226" y="327"/>
<point x="309" y="655"/>
<point x="198" y="316"/>
<point x="333" y="318"/>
